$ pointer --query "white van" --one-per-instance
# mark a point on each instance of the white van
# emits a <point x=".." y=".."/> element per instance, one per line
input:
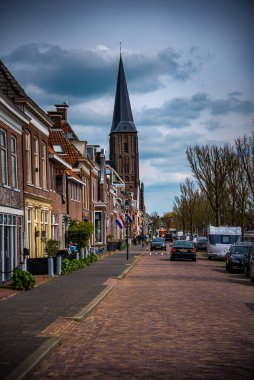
<point x="220" y="239"/>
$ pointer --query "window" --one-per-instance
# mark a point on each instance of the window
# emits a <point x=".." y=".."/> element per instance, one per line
<point x="14" y="173"/>
<point x="3" y="157"/>
<point x="36" y="162"/>
<point x="44" y="165"/>
<point x="125" y="145"/>
<point x="86" y="194"/>
<point x="54" y="226"/>
<point x="28" y="157"/>
<point x="52" y="177"/>
<point x="29" y="229"/>
<point x="58" y="148"/>
<point x="98" y="232"/>
<point x="75" y="192"/>
<point x="126" y="165"/>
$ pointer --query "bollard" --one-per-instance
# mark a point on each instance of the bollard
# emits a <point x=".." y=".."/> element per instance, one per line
<point x="82" y="253"/>
<point x="77" y="255"/>
<point x="22" y="267"/>
<point x="50" y="267"/>
<point x="59" y="265"/>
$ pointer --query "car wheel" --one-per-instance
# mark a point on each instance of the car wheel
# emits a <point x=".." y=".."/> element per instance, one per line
<point x="171" y="258"/>
<point x="209" y="257"/>
<point x="194" y="259"/>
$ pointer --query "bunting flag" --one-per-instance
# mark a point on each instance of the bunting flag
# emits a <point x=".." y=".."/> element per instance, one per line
<point x="129" y="217"/>
<point x="119" y="221"/>
<point x="121" y="216"/>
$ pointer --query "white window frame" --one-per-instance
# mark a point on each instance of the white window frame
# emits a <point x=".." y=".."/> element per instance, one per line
<point x="4" y="151"/>
<point x="36" y="162"/>
<point x="14" y="162"/>
<point x="28" y="157"/>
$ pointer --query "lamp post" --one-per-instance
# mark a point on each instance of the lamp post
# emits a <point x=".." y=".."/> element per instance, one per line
<point x="127" y="206"/>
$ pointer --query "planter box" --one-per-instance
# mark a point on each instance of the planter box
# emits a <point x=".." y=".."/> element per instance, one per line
<point x="114" y="245"/>
<point x="39" y="265"/>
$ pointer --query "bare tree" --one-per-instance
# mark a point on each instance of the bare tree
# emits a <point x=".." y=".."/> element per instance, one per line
<point x="209" y="167"/>
<point x="245" y="149"/>
<point x="189" y="198"/>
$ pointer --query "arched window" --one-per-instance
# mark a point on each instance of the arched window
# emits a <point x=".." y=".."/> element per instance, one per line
<point x="28" y="156"/>
<point x="125" y="144"/>
<point x="36" y="162"/>
<point x="14" y="171"/>
<point x="44" y="165"/>
<point x="3" y="144"/>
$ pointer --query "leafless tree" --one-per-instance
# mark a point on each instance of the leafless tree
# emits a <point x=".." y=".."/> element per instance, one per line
<point x="209" y="167"/>
<point x="245" y="149"/>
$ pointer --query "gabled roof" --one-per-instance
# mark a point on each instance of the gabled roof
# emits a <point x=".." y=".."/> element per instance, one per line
<point x="70" y="153"/>
<point x="13" y="90"/>
<point x="122" y="116"/>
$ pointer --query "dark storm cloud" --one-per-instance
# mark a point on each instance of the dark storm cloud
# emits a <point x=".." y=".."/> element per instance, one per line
<point x="179" y="112"/>
<point x="63" y="72"/>
<point x="86" y="73"/>
<point x="232" y="104"/>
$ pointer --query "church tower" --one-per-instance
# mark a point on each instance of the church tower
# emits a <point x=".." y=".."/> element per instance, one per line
<point x="123" y="138"/>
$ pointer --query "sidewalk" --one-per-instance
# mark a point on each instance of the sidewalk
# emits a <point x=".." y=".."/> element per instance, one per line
<point x="165" y="320"/>
<point x="25" y="314"/>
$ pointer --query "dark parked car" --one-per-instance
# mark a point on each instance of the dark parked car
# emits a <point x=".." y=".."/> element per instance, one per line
<point x="236" y="256"/>
<point x="247" y="261"/>
<point x="169" y="237"/>
<point x="183" y="249"/>
<point x="158" y="243"/>
<point x="201" y="244"/>
<point x="251" y="274"/>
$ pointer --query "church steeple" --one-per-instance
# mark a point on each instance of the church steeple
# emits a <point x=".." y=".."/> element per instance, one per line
<point x="123" y="138"/>
<point x="122" y="116"/>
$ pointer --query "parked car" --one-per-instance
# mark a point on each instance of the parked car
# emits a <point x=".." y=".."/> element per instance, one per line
<point x="158" y="243"/>
<point x="235" y="257"/>
<point x="201" y="244"/>
<point x="183" y="249"/>
<point x="169" y="237"/>
<point x="251" y="273"/>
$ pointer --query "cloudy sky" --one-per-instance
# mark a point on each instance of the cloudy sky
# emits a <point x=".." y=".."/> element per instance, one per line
<point x="188" y="64"/>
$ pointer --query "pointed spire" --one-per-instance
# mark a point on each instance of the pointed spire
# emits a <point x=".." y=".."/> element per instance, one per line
<point x="122" y="116"/>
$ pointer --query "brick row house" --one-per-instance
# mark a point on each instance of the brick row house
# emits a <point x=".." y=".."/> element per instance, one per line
<point x="49" y="176"/>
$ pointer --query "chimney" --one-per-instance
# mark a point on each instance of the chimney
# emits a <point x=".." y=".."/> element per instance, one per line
<point x="62" y="110"/>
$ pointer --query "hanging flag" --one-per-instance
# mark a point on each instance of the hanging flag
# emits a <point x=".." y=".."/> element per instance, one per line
<point x="129" y="217"/>
<point x="121" y="216"/>
<point x="119" y="222"/>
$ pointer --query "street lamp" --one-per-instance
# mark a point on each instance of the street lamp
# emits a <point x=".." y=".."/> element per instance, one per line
<point x="127" y="207"/>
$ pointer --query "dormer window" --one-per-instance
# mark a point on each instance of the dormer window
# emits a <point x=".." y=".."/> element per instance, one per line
<point x="58" y="148"/>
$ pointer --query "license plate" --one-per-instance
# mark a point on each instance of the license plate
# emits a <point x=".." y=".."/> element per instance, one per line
<point x="183" y="250"/>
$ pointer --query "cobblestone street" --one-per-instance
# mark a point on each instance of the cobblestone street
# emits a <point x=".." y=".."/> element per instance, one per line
<point x="164" y="320"/>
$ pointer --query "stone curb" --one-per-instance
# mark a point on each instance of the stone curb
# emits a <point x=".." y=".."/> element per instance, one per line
<point x="22" y="371"/>
<point x="32" y="360"/>
<point x="87" y="309"/>
<point x="127" y="270"/>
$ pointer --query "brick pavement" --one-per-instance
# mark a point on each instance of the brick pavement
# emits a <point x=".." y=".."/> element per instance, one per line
<point x="26" y="314"/>
<point x="164" y="320"/>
